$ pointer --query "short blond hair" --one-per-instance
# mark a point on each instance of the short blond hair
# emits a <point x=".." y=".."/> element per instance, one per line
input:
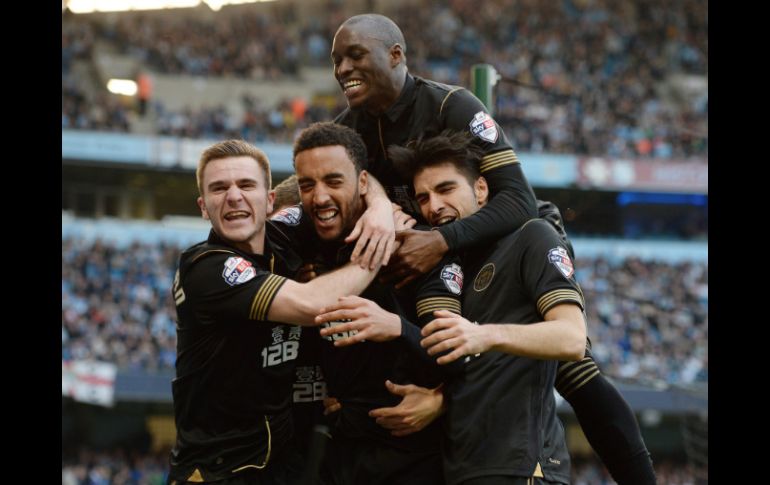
<point x="233" y="148"/>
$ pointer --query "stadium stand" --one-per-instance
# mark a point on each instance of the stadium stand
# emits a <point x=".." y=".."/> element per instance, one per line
<point x="624" y="79"/>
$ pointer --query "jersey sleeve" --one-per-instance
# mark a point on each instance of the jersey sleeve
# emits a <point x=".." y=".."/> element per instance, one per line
<point x="511" y="199"/>
<point x="221" y="285"/>
<point x="439" y="289"/>
<point x="547" y="269"/>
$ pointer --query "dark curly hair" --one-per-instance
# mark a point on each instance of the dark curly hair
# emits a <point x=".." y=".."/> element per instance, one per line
<point x="328" y="133"/>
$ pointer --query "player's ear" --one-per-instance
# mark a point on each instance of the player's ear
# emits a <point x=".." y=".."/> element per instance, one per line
<point x="396" y="55"/>
<point x="481" y="189"/>
<point x="270" y="200"/>
<point x="363" y="182"/>
<point x="202" y="205"/>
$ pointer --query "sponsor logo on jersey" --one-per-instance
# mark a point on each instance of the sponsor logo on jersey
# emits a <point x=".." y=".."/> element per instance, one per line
<point x="288" y="215"/>
<point x="483" y="126"/>
<point x="452" y="276"/>
<point x="338" y="335"/>
<point x="560" y="258"/>
<point x="238" y="270"/>
<point x="484" y="278"/>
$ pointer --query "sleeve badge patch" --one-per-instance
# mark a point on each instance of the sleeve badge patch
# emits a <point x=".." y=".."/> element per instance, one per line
<point x="238" y="270"/>
<point x="483" y="126"/>
<point x="452" y="276"/>
<point x="289" y="215"/>
<point x="560" y="258"/>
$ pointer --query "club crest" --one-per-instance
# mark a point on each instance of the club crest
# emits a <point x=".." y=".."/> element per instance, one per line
<point x="452" y="276"/>
<point x="238" y="270"/>
<point x="483" y="126"/>
<point x="484" y="278"/>
<point x="560" y="258"/>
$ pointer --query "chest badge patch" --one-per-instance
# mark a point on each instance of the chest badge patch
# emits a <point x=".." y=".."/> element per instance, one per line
<point x="452" y="276"/>
<point x="484" y="278"/>
<point x="560" y="258"/>
<point x="289" y="215"/>
<point x="483" y="126"/>
<point x="238" y="270"/>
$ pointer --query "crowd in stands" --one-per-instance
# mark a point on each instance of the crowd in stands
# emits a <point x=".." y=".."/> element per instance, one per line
<point x="648" y="321"/>
<point x="81" y="110"/>
<point x="257" y="122"/>
<point x="116" y="304"/>
<point x="103" y="112"/>
<point x="578" y="76"/>
<point x="119" y="467"/>
<point x="114" y="467"/>
<point x="667" y="472"/>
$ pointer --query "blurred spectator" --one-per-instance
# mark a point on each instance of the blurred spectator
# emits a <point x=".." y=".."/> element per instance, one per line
<point x="144" y="91"/>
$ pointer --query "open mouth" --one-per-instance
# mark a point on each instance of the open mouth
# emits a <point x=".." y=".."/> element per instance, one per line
<point x="325" y="215"/>
<point x="444" y="220"/>
<point x="350" y="87"/>
<point x="234" y="215"/>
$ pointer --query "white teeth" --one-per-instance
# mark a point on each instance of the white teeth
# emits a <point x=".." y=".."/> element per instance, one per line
<point x="444" y="220"/>
<point x="326" y="215"/>
<point x="351" y="84"/>
<point x="234" y="215"/>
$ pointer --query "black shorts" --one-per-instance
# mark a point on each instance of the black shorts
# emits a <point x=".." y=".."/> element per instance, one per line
<point x="284" y="469"/>
<point x="359" y="461"/>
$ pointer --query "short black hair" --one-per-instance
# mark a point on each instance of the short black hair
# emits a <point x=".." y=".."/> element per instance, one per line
<point x="328" y="133"/>
<point x="379" y="27"/>
<point x="455" y="147"/>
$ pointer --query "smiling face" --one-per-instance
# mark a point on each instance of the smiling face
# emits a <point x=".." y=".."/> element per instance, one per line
<point x="235" y="198"/>
<point x="330" y="190"/>
<point x="367" y="70"/>
<point x="445" y="194"/>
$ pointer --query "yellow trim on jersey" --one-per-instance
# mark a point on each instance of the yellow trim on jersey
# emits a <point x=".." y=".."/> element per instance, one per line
<point x="573" y="375"/>
<point x="267" y="456"/>
<point x="538" y="471"/>
<point x="196" y="258"/>
<point x="568" y="369"/>
<point x="264" y="297"/>
<point x="428" y="305"/>
<point x="441" y="109"/>
<point x="554" y="297"/>
<point x="580" y="380"/>
<point x="498" y="159"/>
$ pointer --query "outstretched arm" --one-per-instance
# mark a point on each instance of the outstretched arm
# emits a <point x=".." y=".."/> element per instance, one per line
<point x="299" y="303"/>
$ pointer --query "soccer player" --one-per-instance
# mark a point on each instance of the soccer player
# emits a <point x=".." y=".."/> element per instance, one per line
<point x="387" y="105"/>
<point x="235" y="357"/>
<point x="606" y="419"/>
<point x="329" y="160"/>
